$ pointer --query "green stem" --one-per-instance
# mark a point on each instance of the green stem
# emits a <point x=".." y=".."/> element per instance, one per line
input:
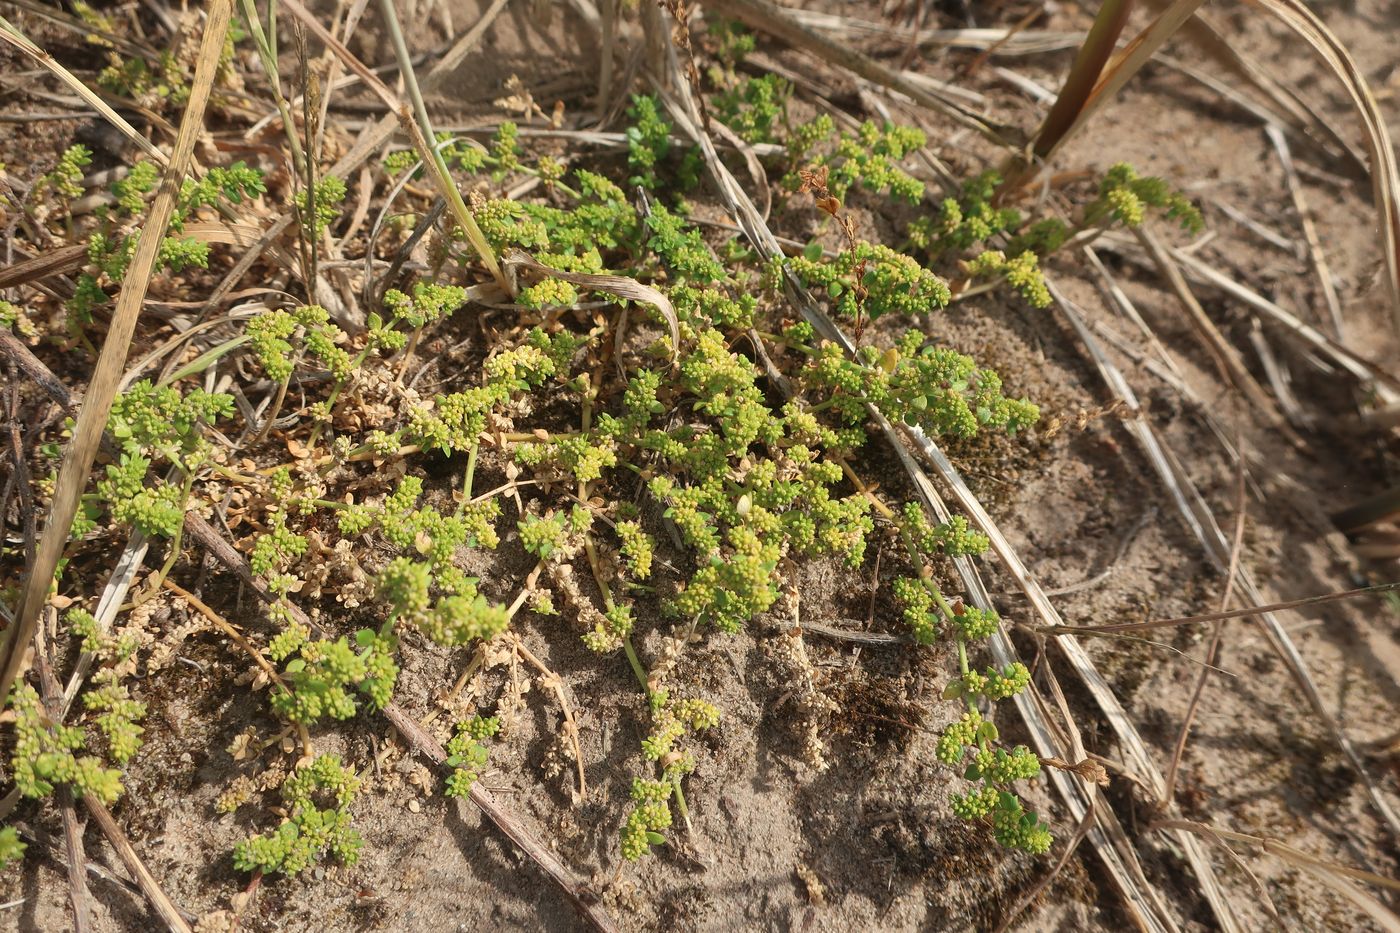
<point x="175" y="540"/>
<point x="205" y="359"/>
<point x="471" y="472"/>
<point x="636" y="662"/>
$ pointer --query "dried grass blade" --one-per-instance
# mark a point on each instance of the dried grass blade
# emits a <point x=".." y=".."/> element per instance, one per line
<point x="419" y="132"/>
<point x="618" y="285"/>
<point x="999" y="40"/>
<point x="171" y="915"/>
<point x="778" y="22"/>
<point x="92" y="419"/>
<point x="1385" y="178"/>
<point x="1290" y="110"/>
<point x="1305" y="219"/>
<point x="1128" y="62"/>
<point x="1368" y="373"/>
<point x="19" y="40"/>
<point x="1226" y="356"/>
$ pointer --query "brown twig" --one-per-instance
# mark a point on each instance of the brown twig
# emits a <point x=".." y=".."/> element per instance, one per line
<point x="555" y="683"/>
<point x="34" y="368"/>
<point x="51" y="262"/>
<point x="172" y="916"/>
<point x="1247" y="613"/>
<point x="226" y="627"/>
<point x="1236" y="541"/>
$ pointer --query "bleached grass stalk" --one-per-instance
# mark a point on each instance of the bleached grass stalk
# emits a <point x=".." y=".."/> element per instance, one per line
<point x="10" y="33"/>
<point x="1200" y="520"/>
<point x="425" y="125"/>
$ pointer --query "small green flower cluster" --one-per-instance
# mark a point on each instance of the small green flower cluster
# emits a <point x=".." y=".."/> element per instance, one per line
<point x="117" y="719"/>
<point x="329" y="196"/>
<point x="154" y="423"/>
<point x="732" y="42"/>
<point x="993" y="684"/>
<point x="13" y="317"/>
<point x="648" y="140"/>
<point x="1021" y="272"/>
<point x="43" y="754"/>
<point x="650" y="814"/>
<point x="868" y="158"/>
<point x="467" y="755"/>
<point x="322" y="680"/>
<point x="229" y="184"/>
<point x="971" y="218"/>
<point x="11" y="846"/>
<point x="110" y="250"/>
<point x="160" y="81"/>
<point x="543" y="536"/>
<point x="1125" y="196"/>
<point x="681" y="249"/>
<point x="942" y="391"/>
<point x="270" y="335"/>
<point x="638" y="548"/>
<point x="309" y="829"/>
<point x="66" y="177"/>
<point x="889" y="282"/>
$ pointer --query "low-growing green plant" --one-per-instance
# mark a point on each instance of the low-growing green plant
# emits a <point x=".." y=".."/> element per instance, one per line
<point x="317" y="799"/>
<point x="112" y="245"/>
<point x="467" y="754"/>
<point x="44" y="754"/>
<point x="691" y="477"/>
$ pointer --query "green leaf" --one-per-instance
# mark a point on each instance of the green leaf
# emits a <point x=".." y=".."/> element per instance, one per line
<point x="812" y="252"/>
<point x="296" y="666"/>
<point x="364" y="637"/>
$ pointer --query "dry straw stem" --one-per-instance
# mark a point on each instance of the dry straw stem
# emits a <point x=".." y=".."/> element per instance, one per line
<point x="577" y="892"/>
<point x="92" y="419"/>
<point x="78" y="892"/>
<point x="1083" y="75"/>
<point x="1247" y="613"/>
<point x="1107" y="837"/>
<point x="1305" y="220"/>
<point x="1075" y="105"/>
<point x="11" y="34"/>
<point x="1283" y="850"/>
<point x="1284" y="106"/>
<point x="618" y="285"/>
<point x="1001" y="40"/>
<point x="1231" y="364"/>
<point x="1384" y="383"/>
<point x="1385" y="178"/>
<point x="165" y="908"/>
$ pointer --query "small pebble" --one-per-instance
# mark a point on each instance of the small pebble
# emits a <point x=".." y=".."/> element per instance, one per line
<point x="414" y="806"/>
